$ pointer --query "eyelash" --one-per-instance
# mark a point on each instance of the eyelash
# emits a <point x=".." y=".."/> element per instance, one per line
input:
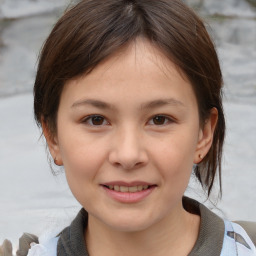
<point x="89" y="120"/>
<point x="167" y="120"/>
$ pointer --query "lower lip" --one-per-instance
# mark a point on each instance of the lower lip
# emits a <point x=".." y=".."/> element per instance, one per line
<point x="129" y="197"/>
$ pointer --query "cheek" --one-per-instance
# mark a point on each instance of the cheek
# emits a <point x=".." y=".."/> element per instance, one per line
<point x="82" y="164"/>
<point x="81" y="157"/>
<point x="174" y="157"/>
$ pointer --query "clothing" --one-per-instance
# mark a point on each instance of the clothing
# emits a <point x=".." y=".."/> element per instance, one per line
<point x="236" y="241"/>
<point x="217" y="237"/>
<point x="250" y="228"/>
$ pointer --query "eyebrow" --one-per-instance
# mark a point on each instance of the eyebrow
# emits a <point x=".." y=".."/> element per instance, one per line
<point x="95" y="103"/>
<point x="148" y="105"/>
<point x="161" y="103"/>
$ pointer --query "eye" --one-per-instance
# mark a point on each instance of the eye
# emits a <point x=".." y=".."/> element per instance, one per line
<point x="160" y="120"/>
<point x="95" y="120"/>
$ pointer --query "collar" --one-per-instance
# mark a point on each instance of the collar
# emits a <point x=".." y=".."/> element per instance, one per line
<point x="212" y="229"/>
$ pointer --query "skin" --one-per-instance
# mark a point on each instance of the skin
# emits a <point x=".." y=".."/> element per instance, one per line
<point x="149" y="131"/>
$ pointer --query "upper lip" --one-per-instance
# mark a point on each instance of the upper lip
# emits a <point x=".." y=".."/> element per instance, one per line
<point x="127" y="184"/>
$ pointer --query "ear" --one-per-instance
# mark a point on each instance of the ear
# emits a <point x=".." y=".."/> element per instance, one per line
<point x="205" y="137"/>
<point x="52" y="143"/>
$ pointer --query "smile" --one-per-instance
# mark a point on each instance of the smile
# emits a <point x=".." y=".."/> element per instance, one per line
<point x="126" y="189"/>
<point x="128" y="192"/>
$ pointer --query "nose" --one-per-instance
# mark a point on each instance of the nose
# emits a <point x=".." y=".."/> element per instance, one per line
<point x="127" y="150"/>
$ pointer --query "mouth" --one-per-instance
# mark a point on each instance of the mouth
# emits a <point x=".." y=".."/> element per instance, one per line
<point x="128" y="189"/>
<point x="128" y="192"/>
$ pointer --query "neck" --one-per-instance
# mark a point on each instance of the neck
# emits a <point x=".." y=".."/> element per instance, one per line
<point x="174" y="235"/>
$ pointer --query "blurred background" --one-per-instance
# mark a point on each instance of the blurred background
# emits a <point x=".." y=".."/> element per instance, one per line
<point x="31" y="198"/>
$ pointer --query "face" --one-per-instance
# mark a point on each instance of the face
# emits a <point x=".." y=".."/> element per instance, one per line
<point x="128" y="135"/>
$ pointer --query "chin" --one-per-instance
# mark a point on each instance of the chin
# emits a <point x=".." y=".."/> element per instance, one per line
<point x="132" y="223"/>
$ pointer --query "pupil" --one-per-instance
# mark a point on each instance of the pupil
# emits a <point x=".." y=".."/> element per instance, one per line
<point x="159" y="120"/>
<point x="97" y="120"/>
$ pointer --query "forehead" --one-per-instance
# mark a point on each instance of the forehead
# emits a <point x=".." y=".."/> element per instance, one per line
<point x="139" y="55"/>
<point x="139" y="71"/>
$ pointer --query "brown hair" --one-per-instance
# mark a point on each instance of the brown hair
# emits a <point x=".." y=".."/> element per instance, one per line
<point x="94" y="29"/>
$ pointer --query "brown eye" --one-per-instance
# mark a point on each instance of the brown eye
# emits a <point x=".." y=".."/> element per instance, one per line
<point x="95" y="120"/>
<point x="159" y="120"/>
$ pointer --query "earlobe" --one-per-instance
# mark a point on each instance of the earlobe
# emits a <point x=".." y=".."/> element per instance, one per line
<point x="52" y="143"/>
<point x="205" y="137"/>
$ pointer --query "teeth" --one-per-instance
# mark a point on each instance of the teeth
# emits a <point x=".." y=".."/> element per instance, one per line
<point x="133" y="189"/>
<point x="128" y="189"/>
<point x="124" y="189"/>
<point x="116" y="188"/>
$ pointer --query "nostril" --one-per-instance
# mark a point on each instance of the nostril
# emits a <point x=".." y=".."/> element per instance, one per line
<point x="139" y="164"/>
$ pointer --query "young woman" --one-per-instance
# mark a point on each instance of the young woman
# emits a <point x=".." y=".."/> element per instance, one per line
<point x="128" y="95"/>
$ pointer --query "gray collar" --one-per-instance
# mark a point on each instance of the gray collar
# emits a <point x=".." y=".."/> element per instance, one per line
<point x="71" y="241"/>
<point x="212" y="229"/>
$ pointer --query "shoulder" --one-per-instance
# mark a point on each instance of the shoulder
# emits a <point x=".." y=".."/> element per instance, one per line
<point x="222" y="237"/>
<point x="237" y="241"/>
